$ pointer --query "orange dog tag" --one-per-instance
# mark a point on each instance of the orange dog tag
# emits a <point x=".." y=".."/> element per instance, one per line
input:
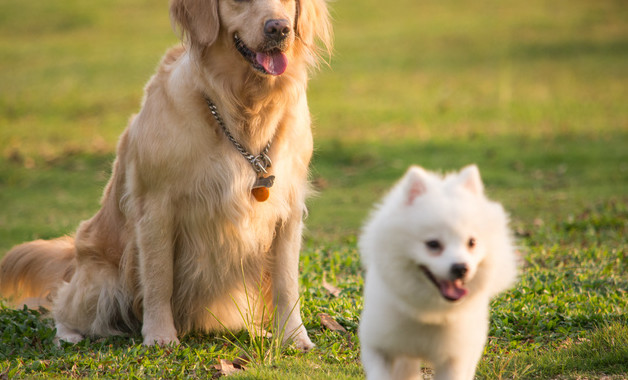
<point x="261" y="188"/>
<point x="260" y="193"/>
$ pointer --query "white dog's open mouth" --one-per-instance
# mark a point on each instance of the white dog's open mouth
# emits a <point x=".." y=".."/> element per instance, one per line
<point x="271" y="62"/>
<point x="450" y="290"/>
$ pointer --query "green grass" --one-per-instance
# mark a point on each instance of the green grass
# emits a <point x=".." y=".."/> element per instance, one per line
<point x="533" y="92"/>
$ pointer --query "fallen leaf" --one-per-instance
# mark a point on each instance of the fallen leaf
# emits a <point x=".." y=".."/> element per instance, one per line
<point x="240" y="362"/>
<point x="331" y="323"/>
<point x="334" y="291"/>
<point x="225" y="368"/>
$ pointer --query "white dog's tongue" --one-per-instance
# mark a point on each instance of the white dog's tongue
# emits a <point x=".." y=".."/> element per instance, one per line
<point x="452" y="290"/>
<point x="274" y="63"/>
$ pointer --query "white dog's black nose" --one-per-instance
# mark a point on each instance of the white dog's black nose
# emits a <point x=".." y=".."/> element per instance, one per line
<point x="277" y="29"/>
<point x="459" y="270"/>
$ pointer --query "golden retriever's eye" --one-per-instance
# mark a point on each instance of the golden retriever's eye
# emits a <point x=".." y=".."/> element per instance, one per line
<point x="434" y="245"/>
<point x="471" y="243"/>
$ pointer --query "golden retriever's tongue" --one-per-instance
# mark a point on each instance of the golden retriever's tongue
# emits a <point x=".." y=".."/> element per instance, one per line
<point x="274" y="63"/>
<point x="452" y="290"/>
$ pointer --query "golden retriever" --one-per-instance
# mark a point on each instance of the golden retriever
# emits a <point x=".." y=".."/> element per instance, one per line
<point x="181" y="233"/>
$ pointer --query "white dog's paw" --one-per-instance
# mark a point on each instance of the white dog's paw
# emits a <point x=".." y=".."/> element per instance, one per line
<point x="67" y="335"/>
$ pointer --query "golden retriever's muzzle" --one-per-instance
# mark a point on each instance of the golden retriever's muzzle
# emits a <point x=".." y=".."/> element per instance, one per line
<point x="269" y="58"/>
<point x="276" y="33"/>
<point x="277" y="30"/>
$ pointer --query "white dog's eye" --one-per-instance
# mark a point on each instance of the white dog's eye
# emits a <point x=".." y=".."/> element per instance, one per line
<point x="434" y="245"/>
<point x="471" y="243"/>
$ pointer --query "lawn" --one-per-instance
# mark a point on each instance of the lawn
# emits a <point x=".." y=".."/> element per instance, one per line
<point x="534" y="92"/>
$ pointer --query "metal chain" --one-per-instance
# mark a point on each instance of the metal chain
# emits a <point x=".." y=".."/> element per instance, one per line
<point x="261" y="162"/>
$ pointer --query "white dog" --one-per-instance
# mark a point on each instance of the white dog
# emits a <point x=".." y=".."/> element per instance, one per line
<point x="435" y="251"/>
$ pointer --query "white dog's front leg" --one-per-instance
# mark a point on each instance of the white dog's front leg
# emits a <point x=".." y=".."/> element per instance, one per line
<point x="156" y="272"/>
<point x="406" y="368"/>
<point x="461" y="364"/>
<point x="285" y="280"/>
<point x="451" y="369"/>
<point x="376" y="365"/>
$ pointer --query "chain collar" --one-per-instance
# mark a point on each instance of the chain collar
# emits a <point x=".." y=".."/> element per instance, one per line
<point x="261" y="162"/>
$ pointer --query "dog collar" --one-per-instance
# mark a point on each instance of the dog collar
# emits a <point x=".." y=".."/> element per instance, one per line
<point x="259" y="163"/>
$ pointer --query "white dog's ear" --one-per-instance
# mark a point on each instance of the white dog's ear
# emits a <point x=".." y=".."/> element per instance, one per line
<point x="198" y="20"/>
<point x="470" y="178"/>
<point x="414" y="183"/>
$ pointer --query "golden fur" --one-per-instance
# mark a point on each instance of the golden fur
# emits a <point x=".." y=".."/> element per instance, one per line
<point x="178" y="226"/>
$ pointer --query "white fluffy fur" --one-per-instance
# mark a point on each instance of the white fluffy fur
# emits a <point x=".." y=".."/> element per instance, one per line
<point x="405" y="317"/>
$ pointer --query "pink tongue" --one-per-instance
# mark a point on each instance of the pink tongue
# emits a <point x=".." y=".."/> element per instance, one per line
<point x="452" y="290"/>
<point x="274" y="63"/>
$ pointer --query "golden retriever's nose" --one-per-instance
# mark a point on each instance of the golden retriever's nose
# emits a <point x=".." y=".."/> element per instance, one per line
<point x="277" y="29"/>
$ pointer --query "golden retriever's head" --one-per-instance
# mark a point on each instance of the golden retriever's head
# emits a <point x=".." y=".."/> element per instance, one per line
<point x="267" y="34"/>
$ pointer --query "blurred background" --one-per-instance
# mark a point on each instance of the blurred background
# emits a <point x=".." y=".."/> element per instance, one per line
<point x="534" y="92"/>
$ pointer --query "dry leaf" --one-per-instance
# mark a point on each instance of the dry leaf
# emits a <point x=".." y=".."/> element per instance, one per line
<point x="240" y="362"/>
<point x="225" y="368"/>
<point x="331" y="323"/>
<point x="334" y="291"/>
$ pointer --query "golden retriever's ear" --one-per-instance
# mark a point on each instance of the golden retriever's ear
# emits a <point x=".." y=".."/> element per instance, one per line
<point x="313" y="23"/>
<point x="198" y="20"/>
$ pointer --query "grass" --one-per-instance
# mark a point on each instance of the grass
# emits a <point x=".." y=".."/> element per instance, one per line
<point x="535" y="93"/>
<point x="265" y="333"/>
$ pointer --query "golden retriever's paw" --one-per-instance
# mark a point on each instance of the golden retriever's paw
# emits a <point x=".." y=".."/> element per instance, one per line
<point x="304" y="343"/>
<point x="161" y="340"/>
<point x="159" y="332"/>
<point x="302" y="340"/>
<point x="67" y="335"/>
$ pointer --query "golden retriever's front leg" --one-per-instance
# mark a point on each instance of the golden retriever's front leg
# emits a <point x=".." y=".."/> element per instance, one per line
<point x="286" y="283"/>
<point x="155" y="240"/>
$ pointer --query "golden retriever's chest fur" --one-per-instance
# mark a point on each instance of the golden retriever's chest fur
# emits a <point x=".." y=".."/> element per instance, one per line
<point x="183" y="158"/>
<point x="218" y="220"/>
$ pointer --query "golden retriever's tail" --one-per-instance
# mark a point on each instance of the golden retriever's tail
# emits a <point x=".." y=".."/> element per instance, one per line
<point x="30" y="273"/>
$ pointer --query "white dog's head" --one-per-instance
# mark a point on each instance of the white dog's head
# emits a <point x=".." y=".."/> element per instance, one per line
<point x="434" y="235"/>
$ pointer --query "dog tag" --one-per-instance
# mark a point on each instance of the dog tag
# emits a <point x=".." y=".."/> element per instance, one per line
<point x="260" y="188"/>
